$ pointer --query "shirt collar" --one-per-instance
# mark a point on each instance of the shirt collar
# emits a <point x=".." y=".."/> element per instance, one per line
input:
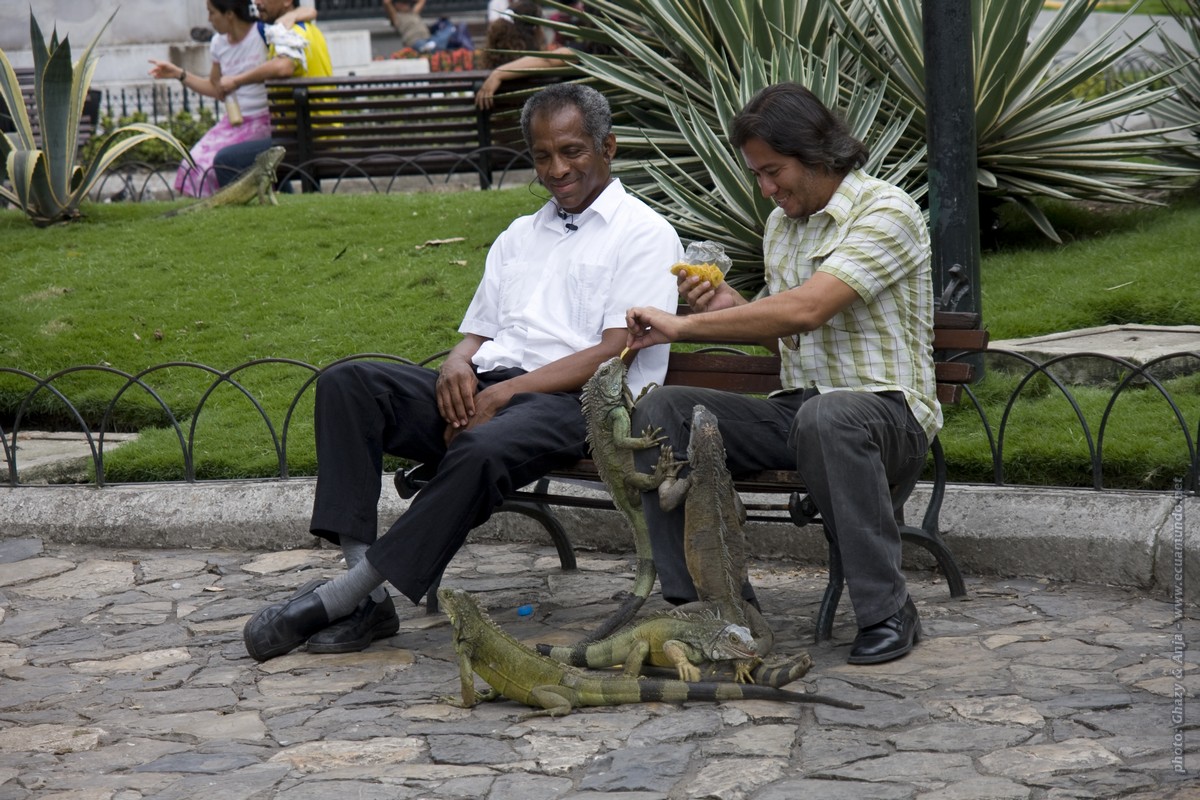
<point x="606" y="205"/>
<point x="844" y="198"/>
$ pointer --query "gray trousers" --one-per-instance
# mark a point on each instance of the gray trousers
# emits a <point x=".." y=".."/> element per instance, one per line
<point x="858" y="453"/>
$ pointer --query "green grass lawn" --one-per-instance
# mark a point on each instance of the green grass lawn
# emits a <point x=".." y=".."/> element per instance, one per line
<point x="1157" y="7"/>
<point x="323" y="277"/>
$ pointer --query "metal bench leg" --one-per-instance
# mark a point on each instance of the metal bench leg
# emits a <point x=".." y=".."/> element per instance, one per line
<point x="541" y="513"/>
<point x="928" y="535"/>
<point x="833" y="591"/>
<point x="537" y="511"/>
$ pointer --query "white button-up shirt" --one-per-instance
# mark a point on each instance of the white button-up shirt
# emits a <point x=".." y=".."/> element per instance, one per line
<point x="549" y="290"/>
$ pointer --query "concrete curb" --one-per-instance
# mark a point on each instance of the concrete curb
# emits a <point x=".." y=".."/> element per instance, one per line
<point x="1144" y="540"/>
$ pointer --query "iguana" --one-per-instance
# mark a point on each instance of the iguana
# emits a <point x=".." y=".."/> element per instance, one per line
<point x="514" y="671"/>
<point x="258" y="181"/>
<point x="713" y="541"/>
<point x="673" y="639"/>
<point x="697" y="646"/>
<point x="606" y="403"/>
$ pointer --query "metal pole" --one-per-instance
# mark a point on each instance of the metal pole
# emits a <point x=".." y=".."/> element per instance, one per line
<point x="950" y="132"/>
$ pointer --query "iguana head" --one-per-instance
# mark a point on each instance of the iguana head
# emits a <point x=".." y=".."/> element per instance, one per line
<point x="455" y="602"/>
<point x="705" y="446"/>
<point x="606" y="387"/>
<point x="730" y="642"/>
<point x="269" y="158"/>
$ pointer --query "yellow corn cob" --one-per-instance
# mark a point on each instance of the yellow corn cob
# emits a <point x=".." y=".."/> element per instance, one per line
<point x="705" y="272"/>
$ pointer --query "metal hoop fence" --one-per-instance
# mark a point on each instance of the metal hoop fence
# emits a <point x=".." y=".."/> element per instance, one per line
<point x="496" y="166"/>
<point x="1017" y="391"/>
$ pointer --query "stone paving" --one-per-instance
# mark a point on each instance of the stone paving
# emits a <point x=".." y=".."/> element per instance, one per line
<point x="123" y="676"/>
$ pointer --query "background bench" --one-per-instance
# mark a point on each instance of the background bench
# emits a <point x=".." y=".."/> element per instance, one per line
<point x="370" y="126"/>
<point x="722" y="367"/>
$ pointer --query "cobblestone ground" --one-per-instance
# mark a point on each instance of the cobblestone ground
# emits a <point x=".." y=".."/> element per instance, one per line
<point x="123" y="676"/>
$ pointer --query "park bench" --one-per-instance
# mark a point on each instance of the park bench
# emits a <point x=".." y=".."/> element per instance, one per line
<point x="722" y="367"/>
<point x="89" y="118"/>
<point x="371" y="126"/>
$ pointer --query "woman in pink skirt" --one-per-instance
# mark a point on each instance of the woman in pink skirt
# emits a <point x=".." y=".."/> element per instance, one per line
<point x="237" y="47"/>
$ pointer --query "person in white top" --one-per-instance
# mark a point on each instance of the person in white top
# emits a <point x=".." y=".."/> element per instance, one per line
<point x="503" y="408"/>
<point x="239" y="46"/>
<point x="497" y="9"/>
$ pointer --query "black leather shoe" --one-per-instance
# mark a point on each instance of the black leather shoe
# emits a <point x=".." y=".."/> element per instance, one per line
<point x="889" y="639"/>
<point x="282" y="627"/>
<point x="370" y="621"/>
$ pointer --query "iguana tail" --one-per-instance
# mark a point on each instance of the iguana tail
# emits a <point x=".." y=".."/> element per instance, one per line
<point x="630" y="603"/>
<point x="577" y="654"/>
<point x="616" y="691"/>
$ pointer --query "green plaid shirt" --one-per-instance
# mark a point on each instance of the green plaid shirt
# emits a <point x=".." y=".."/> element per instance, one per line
<point x="871" y="236"/>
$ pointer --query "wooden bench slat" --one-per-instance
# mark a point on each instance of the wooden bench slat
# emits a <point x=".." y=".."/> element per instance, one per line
<point x="953" y="371"/>
<point x="970" y="339"/>
<point x="956" y="319"/>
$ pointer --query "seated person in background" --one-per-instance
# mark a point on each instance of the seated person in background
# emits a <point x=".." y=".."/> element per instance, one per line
<point x="296" y="52"/>
<point x="509" y="34"/>
<point x="556" y="58"/>
<point x="238" y="48"/>
<point x="503" y="408"/>
<point x="405" y="17"/>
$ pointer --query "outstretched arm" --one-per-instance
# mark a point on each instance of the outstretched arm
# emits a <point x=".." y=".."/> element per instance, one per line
<point x="517" y="68"/>
<point x="799" y="310"/>
<point x="297" y="14"/>
<point x="209" y="87"/>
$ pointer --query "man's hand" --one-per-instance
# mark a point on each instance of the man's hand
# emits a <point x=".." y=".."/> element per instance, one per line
<point x="456" y="390"/>
<point x="650" y="326"/>
<point x="701" y="295"/>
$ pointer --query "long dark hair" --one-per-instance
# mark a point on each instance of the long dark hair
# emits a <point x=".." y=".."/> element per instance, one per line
<point x="794" y="122"/>
<point x="242" y="9"/>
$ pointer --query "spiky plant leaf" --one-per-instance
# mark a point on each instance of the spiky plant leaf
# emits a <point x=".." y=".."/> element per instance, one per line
<point x="46" y="181"/>
<point x="1035" y="137"/>
<point x="1183" y="106"/>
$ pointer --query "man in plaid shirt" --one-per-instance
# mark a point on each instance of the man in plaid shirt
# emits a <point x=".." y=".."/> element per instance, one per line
<point x="849" y="308"/>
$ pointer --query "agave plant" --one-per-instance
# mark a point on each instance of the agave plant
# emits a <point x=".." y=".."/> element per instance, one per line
<point x="1183" y="107"/>
<point x="679" y="72"/>
<point x="1036" y="138"/>
<point x="44" y="179"/>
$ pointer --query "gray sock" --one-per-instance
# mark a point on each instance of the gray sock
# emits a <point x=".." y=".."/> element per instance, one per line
<point x="342" y="595"/>
<point x="354" y="552"/>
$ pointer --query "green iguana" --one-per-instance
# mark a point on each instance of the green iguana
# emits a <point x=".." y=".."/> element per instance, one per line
<point x="672" y="639"/>
<point x="606" y="403"/>
<point x="713" y="541"/>
<point x="258" y="181"/>
<point x="518" y="673"/>
<point x="697" y="646"/>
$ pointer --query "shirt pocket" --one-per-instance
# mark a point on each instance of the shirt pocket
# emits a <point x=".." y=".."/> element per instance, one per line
<point x="587" y="294"/>
<point x="514" y="290"/>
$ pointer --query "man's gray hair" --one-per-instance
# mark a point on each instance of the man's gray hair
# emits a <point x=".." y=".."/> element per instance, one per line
<point x="593" y="107"/>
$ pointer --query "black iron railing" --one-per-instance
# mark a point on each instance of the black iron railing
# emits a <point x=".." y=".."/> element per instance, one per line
<point x="986" y="419"/>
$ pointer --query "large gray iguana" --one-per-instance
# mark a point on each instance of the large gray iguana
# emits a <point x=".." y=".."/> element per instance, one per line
<point x="714" y="543"/>
<point x="258" y="181"/>
<point x="514" y="671"/>
<point x="606" y="403"/>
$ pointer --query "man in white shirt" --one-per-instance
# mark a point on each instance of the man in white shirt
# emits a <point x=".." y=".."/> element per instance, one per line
<point x="503" y="409"/>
